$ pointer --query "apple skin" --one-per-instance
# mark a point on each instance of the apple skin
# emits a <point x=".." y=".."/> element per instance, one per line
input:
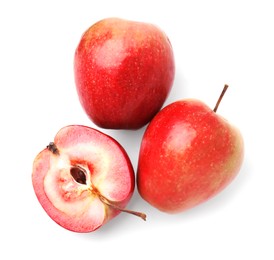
<point x="188" y="154"/>
<point x="124" y="71"/>
<point x="109" y="177"/>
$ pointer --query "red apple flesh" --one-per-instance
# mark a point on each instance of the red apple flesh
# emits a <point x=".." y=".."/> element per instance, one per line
<point x="124" y="71"/>
<point x="83" y="179"/>
<point x="188" y="154"/>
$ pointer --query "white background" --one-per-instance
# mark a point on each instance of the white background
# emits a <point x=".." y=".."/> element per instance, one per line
<point x="215" y="42"/>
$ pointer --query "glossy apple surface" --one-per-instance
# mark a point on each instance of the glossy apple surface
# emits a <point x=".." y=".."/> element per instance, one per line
<point x="82" y="178"/>
<point x="188" y="154"/>
<point x="124" y="71"/>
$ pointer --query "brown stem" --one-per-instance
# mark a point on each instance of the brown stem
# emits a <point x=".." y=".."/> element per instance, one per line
<point x="220" y="98"/>
<point x="107" y="202"/>
<point x="53" y="148"/>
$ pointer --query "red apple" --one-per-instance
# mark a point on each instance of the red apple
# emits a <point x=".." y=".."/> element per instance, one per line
<point x="83" y="179"/>
<point x="188" y="154"/>
<point x="124" y="71"/>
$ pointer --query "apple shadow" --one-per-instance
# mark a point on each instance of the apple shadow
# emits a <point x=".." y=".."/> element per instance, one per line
<point x="178" y="90"/>
<point x="131" y="142"/>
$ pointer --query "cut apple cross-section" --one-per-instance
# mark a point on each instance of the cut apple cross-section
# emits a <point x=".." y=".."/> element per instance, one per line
<point x="83" y="179"/>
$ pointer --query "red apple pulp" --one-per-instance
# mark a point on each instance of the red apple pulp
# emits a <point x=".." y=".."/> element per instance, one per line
<point x="188" y="154"/>
<point x="83" y="179"/>
<point x="124" y="71"/>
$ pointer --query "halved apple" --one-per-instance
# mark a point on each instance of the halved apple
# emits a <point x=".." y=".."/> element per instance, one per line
<point x="83" y="179"/>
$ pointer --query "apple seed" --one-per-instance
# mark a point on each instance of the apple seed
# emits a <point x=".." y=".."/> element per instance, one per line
<point x="78" y="174"/>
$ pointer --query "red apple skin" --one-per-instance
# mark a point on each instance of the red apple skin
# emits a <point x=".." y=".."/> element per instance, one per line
<point x="188" y="154"/>
<point x="76" y="206"/>
<point x="124" y="71"/>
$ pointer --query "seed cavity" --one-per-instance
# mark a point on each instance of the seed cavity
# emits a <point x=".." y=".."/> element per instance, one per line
<point x="78" y="174"/>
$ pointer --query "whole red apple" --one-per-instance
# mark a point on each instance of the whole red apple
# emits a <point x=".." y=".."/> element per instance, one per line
<point x="124" y="71"/>
<point x="188" y="154"/>
<point x="83" y="179"/>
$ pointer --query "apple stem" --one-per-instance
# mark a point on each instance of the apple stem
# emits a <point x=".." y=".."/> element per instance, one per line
<point x="220" y="98"/>
<point x="107" y="202"/>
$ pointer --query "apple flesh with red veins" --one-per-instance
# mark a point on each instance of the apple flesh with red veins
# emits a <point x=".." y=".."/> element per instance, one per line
<point x="83" y="179"/>
<point x="188" y="154"/>
<point x="124" y="71"/>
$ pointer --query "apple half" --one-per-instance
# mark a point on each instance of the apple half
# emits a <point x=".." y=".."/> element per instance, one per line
<point x="83" y="179"/>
